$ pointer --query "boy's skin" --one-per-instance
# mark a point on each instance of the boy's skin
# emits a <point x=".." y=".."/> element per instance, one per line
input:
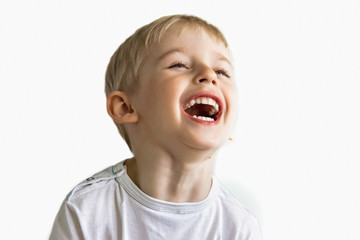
<point x="174" y="153"/>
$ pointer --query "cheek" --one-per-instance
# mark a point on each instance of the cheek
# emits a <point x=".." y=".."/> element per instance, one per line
<point x="232" y="102"/>
<point x="172" y="89"/>
<point x="162" y="99"/>
<point x="170" y="97"/>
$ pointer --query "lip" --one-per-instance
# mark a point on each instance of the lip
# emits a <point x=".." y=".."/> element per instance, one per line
<point x="209" y="95"/>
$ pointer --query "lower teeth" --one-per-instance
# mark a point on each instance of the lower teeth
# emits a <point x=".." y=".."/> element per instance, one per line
<point x="204" y="118"/>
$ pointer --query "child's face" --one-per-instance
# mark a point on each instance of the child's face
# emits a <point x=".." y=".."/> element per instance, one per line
<point x="187" y="68"/>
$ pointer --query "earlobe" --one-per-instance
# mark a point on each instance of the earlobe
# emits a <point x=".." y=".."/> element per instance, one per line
<point x="119" y="108"/>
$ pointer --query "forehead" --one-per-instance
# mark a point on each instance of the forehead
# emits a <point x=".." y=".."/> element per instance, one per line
<point x="189" y="39"/>
<point x="178" y="29"/>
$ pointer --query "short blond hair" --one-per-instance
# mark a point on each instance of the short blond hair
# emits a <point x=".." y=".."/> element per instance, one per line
<point x="123" y="68"/>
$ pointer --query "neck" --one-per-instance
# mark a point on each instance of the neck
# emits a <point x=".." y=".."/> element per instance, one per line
<point x="185" y="178"/>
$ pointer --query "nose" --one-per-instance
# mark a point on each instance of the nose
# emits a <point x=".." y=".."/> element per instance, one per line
<point x="206" y="75"/>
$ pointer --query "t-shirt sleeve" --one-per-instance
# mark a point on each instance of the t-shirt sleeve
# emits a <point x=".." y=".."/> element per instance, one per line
<point x="66" y="224"/>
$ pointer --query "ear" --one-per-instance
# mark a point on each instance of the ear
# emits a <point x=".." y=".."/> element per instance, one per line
<point x="119" y="108"/>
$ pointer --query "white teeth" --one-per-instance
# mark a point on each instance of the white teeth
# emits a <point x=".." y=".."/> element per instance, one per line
<point x="212" y="111"/>
<point x="212" y="101"/>
<point x="204" y="100"/>
<point x="204" y="118"/>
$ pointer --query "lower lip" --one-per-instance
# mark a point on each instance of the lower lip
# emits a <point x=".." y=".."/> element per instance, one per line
<point x="209" y="123"/>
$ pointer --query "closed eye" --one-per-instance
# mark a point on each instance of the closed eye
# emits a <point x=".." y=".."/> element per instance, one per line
<point x="179" y="65"/>
<point x="223" y="73"/>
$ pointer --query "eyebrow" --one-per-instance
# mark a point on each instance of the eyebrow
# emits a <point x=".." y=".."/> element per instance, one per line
<point x="218" y="55"/>
<point x="175" y="50"/>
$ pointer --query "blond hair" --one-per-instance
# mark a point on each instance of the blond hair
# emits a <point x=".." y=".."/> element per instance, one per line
<point x="123" y="68"/>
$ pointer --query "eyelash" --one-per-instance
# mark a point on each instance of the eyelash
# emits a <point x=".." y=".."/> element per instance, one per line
<point x="183" y="65"/>
<point x="180" y="64"/>
<point x="223" y="72"/>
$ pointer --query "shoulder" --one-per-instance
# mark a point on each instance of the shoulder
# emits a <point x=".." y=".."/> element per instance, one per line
<point x="229" y="204"/>
<point x="89" y="207"/>
<point x="97" y="186"/>
<point x="236" y="215"/>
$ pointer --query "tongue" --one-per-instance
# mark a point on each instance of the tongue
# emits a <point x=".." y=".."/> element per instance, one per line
<point x="199" y="110"/>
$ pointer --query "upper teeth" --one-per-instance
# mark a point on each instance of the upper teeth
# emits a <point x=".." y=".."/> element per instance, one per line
<point x="204" y="100"/>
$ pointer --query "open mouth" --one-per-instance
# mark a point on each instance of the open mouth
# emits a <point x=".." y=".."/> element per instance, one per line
<point x="204" y="108"/>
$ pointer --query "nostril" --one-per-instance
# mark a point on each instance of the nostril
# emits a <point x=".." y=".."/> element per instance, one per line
<point x="206" y="80"/>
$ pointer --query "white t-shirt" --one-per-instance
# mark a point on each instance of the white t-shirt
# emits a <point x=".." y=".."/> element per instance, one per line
<point x="110" y="206"/>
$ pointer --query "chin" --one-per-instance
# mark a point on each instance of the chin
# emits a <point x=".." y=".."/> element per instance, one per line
<point x="206" y="144"/>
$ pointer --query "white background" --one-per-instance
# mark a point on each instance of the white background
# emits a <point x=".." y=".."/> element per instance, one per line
<point x="294" y="161"/>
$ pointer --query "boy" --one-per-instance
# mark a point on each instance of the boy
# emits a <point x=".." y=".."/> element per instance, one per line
<point x="170" y="92"/>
